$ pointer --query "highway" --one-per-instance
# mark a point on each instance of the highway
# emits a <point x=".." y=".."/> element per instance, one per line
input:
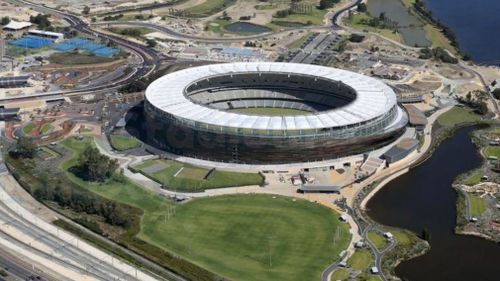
<point x="50" y="247"/>
<point x="21" y="269"/>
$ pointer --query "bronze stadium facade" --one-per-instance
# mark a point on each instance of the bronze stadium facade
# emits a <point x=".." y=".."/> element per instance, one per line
<point x="196" y="112"/>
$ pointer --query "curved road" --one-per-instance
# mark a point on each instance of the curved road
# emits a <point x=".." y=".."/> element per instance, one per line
<point x="150" y="59"/>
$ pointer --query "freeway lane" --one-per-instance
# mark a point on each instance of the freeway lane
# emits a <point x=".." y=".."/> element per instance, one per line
<point x="42" y="242"/>
<point x="21" y="269"/>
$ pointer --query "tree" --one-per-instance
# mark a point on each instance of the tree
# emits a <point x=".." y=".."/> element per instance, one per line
<point x="5" y="20"/>
<point x="39" y="59"/>
<point x="356" y="38"/>
<point x="426" y="235"/>
<point x="95" y="166"/>
<point x="362" y="8"/>
<point x="496" y="93"/>
<point x="86" y="10"/>
<point x="151" y="43"/>
<point x="41" y="20"/>
<point x="327" y="4"/>
<point x="25" y="148"/>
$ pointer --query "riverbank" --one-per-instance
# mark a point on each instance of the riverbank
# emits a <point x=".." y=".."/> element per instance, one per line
<point x="436" y="133"/>
<point x="401" y="21"/>
<point x="477" y="211"/>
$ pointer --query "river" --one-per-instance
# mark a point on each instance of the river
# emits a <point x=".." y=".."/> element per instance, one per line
<point x="476" y="25"/>
<point x="424" y="198"/>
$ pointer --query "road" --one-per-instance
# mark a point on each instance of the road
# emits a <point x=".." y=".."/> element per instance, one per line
<point x="178" y="35"/>
<point x="18" y="268"/>
<point x="47" y="246"/>
<point x="150" y="59"/>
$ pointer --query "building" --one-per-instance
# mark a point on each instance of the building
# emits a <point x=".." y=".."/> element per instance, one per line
<point x="56" y="36"/>
<point x="416" y="118"/>
<point x="15" y="29"/>
<point x="317" y="188"/>
<point x="202" y="112"/>
<point x="400" y="150"/>
<point x="13" y="81"/>
<point x="8" y="113"/>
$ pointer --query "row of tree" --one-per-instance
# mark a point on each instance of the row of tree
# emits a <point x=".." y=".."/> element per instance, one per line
<point x="439" y="54"/>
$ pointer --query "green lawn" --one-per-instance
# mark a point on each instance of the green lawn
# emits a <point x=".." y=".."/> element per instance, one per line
<point x="124" y="143"/>
<point x="28" y="128"/>
<point x="477" y="205"/>
<point x="136" y="32"/>
<point x="473" y="179"/>
<point x="270" y="111"/>
<point x="456" y="116"/>
<point x="241" y="237"/>
<point x="340" y="274"/>
<point x="368" y="277"/>
<point x="217" y="26"/>
<point x="316" y="17"/>
<point x="377" y="239"/>
<point x="361" y="259"/>
<point x="72" y="58"/>
<point x="492" y="151"/>
<point x="401" y="237"/>
<point x="236" y="235"/>
<point x="190" y="181"/>
<point x="45" y="128"/>
<point x="209" y="7"/>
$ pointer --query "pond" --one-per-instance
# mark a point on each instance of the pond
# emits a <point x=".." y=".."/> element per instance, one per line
<point x="246" y="27"/>
<point x="409" y="26"/>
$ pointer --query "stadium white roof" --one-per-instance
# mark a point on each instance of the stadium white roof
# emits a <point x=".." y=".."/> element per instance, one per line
<point x="374" y="98"/>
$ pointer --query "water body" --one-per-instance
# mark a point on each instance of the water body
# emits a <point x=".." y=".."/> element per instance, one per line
<point x="410" y="27"/>
<point x="476" y="25"/>
<point x="424" y="198"/>
<point x="246" y="27"/>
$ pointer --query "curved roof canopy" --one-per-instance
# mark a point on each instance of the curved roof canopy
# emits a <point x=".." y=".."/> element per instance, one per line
<point x="373" y="98"/>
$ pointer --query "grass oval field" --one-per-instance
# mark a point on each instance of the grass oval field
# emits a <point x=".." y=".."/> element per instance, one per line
<point x="251" y="237"/>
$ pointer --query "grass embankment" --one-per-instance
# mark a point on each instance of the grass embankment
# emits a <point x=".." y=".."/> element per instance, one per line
<point x="477" y="206"/>
<point x="492" y="151"/>
<point x="432" y="33"/>
<point x="298" y="43"/>
<point x="361" y="259"/>
<point x="315" y="17"/>
<point x="28" y="128"/>
<point x="457" y="115"/>
<point x="356" y="21"/>
<point x="270" y="111"/>
<point x="123" y="142"/>
<point x="183" y="177"/>
<point x="217" y="25"/>
<point x="209" y="7"/>
<point x="242" y="237"/>
<point x="473" y="179"/>
<point x="72" y="58"/>
<point x="340" y="274"/>
<point x="45" y="128"/>
<point x="135" y="32"/>
<point x="377" y="239"/>
<point x="408" y="246"/>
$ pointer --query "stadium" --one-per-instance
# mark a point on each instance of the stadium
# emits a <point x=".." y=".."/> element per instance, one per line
<point x="270" y="113"/>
